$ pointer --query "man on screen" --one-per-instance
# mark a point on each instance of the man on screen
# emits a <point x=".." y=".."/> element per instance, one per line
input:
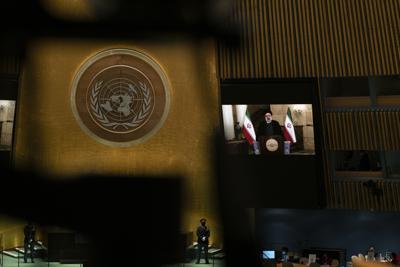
<point x="268" y="126"/>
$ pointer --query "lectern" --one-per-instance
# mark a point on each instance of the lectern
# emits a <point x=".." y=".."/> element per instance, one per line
<point x="271" y="144"/>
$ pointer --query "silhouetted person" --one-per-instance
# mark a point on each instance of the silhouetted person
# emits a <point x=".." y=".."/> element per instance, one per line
<point x="348" y="160"/>
<point x="395" y="259"/>
<point x="325" y="260"/>
<point x="285" y="256"/>
<point x="29" y="241"/>
<point x="365" y="164"/>
<point x="203" y="233"/>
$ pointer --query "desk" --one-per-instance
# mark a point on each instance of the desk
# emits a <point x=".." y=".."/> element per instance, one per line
<point x="294" y="265"/>
<point x="212" y="252"/>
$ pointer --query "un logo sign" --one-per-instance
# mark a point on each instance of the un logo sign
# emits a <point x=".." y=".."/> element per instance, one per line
<point x="120" y="97"/>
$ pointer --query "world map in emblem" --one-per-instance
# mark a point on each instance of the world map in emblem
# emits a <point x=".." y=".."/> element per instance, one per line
<point x="120" y="97"/>
<point x="120" y="104"/>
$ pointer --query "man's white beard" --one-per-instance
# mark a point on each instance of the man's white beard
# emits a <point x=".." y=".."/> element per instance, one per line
<point x="268" y="120"/>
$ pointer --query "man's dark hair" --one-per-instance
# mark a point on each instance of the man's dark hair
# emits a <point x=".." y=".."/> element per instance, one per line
<point x="268" y="111"/>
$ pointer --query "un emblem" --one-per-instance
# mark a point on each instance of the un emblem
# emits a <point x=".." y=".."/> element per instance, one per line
<point x="272" y="145"/>
<point x="120" y="97"/>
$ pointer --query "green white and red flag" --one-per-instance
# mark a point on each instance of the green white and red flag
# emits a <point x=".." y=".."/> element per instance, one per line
<point x="289" y="133"/>
<point x="248" y="129"/>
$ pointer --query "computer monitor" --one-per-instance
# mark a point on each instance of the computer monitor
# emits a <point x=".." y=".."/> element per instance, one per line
<point x="268" y="254"/>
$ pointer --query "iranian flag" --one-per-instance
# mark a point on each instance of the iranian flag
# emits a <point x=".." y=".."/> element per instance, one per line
<point x="289" y="128"/>
<point x="248" y="129"/>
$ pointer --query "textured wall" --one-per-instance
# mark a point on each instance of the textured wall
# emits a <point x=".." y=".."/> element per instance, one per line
<point x="69" y="9"/>
<point x="11" y="232"/>
<point x="369" y="129"/>
<point x="49" y="139"/>
<point x="313" y="38"/>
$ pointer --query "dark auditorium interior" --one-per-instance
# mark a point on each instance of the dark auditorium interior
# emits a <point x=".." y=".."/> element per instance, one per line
<point x="123" y="123"/>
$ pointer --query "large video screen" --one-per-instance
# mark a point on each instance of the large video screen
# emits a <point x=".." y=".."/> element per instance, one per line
<point x="271" y="129"/>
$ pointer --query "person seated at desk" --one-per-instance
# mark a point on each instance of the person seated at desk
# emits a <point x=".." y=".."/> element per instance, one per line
<point x="284" y="254"/>
<point x="269" y="127"/>
<point x="325" y="260"/>
<point x="303" y="261"/>
<point x="395" y="258"/>
<point x="371" y="254"/>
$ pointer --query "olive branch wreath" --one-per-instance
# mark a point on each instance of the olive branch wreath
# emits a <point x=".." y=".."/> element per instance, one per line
<point x="137" y="119"/>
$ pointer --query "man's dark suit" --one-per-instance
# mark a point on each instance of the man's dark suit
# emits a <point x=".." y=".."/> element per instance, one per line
<point x="203" y="233"/>
<point x="29" y="241"/>
<point x="269" y="129"/>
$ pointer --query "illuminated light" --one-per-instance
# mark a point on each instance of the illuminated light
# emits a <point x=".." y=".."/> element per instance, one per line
<point x="80" y="10"/>
<point x="299" y="107"/>
<point x="4" y="103"/>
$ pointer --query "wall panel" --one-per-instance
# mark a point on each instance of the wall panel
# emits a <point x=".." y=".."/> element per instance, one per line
<point x="313" y="38"/>
<point x="363" y="130"/>
<point x="354" y="195"/>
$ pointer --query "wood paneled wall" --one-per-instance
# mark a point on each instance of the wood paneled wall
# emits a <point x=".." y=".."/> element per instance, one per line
<point x="313" y="38"/>
<point x="9" y="65"/>
<point x="363" y="130"/>
<point x="354" y="195"/>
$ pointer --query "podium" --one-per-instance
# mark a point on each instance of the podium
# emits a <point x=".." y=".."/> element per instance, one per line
<point x="271" y="145"/>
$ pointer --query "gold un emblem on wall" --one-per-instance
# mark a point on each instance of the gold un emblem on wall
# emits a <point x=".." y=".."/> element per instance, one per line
<point x="120" y="97"/>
